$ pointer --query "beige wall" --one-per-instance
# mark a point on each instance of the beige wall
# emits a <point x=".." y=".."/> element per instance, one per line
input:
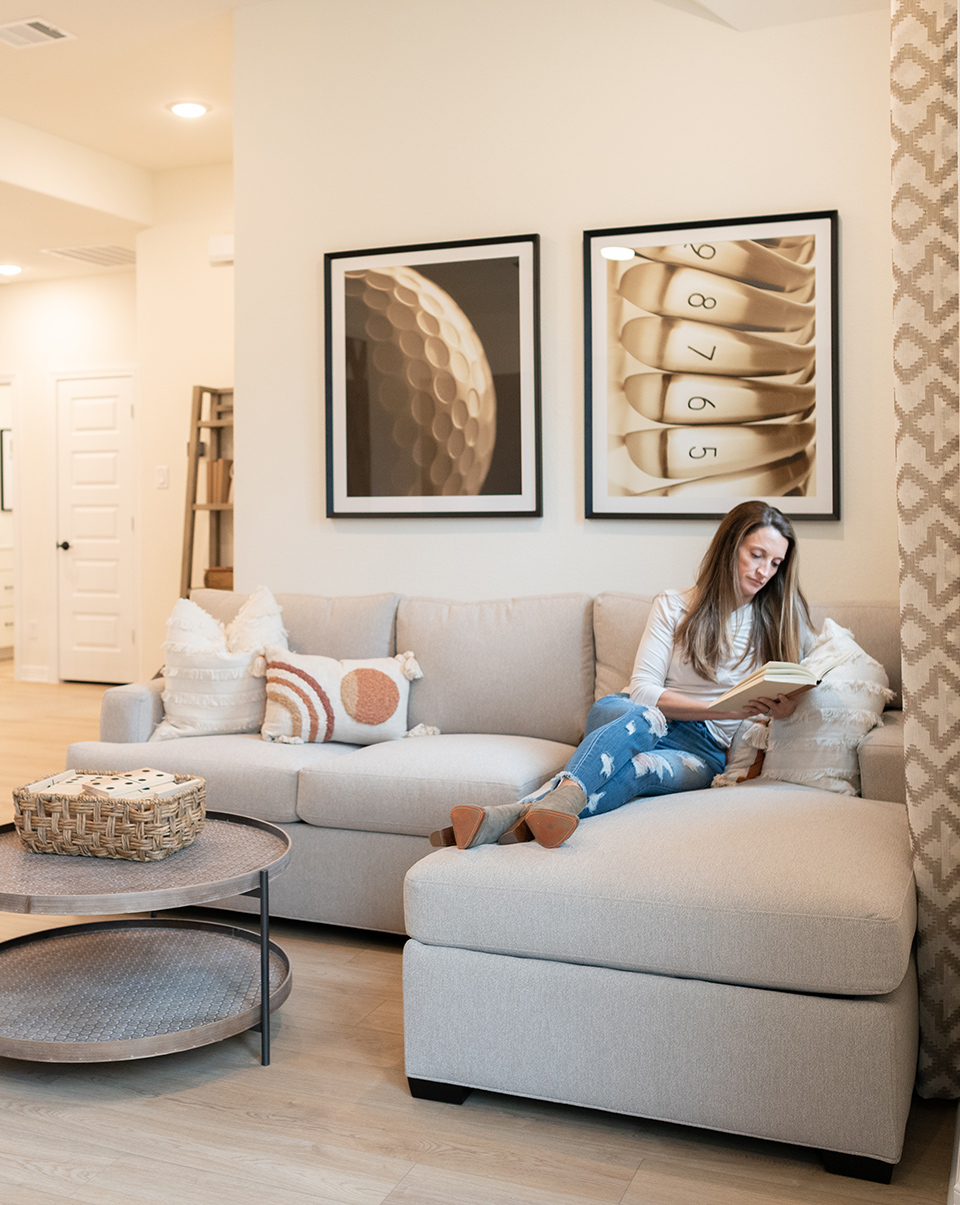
<point x="384" y="123"/>
<point x="184" y="338"/>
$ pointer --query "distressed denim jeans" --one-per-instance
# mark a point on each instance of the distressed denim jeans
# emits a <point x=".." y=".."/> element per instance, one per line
<point x="630" y="751"/>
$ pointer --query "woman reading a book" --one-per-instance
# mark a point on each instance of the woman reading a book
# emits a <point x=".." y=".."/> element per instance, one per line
<point x="745" y="609"/>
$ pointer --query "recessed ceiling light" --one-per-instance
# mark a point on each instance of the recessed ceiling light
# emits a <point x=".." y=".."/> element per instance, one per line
<point x="188" y="109"/>
<point x="10" y="270"/>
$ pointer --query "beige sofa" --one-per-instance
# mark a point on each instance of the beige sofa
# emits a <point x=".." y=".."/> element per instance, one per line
<point x="738" y="959"/>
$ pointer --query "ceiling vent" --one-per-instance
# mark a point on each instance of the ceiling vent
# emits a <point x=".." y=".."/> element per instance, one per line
<point x="103" y="257"/>
<point x="34" y="31"/>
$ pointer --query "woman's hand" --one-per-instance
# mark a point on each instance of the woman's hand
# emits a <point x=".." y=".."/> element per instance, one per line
<point x="780" y="708"/>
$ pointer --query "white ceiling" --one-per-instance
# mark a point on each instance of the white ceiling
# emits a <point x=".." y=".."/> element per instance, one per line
<point x="108" y="89"/>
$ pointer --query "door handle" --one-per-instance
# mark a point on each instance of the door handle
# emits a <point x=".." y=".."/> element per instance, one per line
<point x="65" y="545"/>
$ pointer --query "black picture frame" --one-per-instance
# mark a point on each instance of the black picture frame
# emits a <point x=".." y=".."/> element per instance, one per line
<point x="433" y="380"/>
<point x="685" y="417"/>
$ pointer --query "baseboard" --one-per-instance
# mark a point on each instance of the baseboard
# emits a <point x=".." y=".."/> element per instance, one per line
<point x="35" y="673"/>
<point x="953" y="1196"/>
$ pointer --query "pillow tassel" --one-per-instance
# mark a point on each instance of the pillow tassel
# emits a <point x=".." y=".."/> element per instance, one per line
<point x="757" y="735"/>
<point x="409" y="666"/>
<point x="423" y="730"/>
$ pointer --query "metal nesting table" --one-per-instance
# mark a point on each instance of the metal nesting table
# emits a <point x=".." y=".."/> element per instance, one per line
<point x="129" y="989"/>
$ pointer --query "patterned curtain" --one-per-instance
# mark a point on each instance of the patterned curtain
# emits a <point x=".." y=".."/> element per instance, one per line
<point x="923" y="98"/>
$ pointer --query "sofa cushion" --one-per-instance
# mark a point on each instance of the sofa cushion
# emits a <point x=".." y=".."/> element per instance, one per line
<point x="766" y="885"/>
<point x="618" y="623"/>
<point x="243" y="773"/>
<point x="409" y="786"/>
<point x="336" y="627"/>
<point x="619" y="620"/>
<point x="519" y="666"/>
<point x="881" y="760"/>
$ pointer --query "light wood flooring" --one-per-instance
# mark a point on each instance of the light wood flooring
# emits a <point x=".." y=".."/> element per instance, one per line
<point x="330" y="1121"/>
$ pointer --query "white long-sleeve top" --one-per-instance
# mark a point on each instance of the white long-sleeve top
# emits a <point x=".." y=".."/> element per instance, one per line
<point x="660" y="666"/>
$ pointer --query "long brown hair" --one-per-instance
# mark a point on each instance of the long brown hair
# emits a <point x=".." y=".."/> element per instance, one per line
<point x="780" y="610"/>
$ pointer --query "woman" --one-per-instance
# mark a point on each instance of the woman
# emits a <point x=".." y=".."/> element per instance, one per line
<point x="746" y="608"/>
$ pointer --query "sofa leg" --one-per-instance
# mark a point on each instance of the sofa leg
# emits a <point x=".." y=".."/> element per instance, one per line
<point x="428" y="1089"/>
<point x="859" y="1166"/>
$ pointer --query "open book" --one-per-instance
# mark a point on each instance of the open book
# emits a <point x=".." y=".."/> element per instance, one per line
<point x="774" y="678"/>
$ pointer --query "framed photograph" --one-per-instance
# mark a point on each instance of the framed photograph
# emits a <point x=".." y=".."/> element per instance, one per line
<point x="433" y="379"/>
<point x="6" y="469"/>
<point x="712" y="368"/>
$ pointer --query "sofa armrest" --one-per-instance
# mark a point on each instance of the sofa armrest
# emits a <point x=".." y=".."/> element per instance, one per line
<point x="130" y="713"/>
<point x="882" y="768"/>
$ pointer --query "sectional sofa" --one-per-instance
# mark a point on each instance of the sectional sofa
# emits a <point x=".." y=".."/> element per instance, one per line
<point x="738" y="959"/>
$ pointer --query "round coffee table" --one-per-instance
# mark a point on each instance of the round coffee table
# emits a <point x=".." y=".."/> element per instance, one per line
<point x="134" y="988"/>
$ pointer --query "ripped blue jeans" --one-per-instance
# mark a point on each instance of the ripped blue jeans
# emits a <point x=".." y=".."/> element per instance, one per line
<point x="630" y="751"/>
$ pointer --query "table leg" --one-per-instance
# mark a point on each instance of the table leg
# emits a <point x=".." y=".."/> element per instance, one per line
<point x="264" y="968"/>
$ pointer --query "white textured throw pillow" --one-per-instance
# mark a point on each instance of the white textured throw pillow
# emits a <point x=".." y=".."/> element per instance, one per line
<point x="316" y="699"/>
<point x="214" y="674"/>
<point x="817" y="746"/>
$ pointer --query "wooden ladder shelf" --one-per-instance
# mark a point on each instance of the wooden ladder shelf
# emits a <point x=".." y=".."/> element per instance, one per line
<point x="211" y="440"/>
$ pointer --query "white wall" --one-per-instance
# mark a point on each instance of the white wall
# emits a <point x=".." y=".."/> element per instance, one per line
<point x="184" y="338"/>
<point x="399" y="121"/>
<point x="173" y="320"/>
<point x="77" y="323"/>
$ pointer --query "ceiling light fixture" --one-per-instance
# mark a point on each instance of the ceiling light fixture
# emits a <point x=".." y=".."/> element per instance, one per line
<point x="10" y="270"/>
<point x="188" y="109"/>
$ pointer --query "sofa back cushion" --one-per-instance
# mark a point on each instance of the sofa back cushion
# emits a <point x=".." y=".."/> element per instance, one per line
<point x="519" y="666"/>
<point x="618" y="623"/>
<point x="619" y="620"/>
<point x="333" y="627"/>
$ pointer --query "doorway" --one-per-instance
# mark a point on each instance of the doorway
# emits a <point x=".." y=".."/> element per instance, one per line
<point x="97" y="541"/>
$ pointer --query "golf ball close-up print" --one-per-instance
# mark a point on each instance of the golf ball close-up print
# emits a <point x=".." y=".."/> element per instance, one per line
<point x="711" y="370"/>
<point x="422" y="403"/>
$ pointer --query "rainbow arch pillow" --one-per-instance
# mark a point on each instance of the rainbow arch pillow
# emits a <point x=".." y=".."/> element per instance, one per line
<point x="316" y="699"/>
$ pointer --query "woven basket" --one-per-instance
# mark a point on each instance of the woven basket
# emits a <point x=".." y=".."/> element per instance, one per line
<point x="140" y="830"/>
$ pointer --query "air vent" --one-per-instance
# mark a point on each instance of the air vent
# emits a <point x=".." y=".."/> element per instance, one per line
<point x="103" y="257"/>
<point x="34" y="31"/>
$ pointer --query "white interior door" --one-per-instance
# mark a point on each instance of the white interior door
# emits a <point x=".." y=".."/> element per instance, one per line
<point x="96" y="552"/>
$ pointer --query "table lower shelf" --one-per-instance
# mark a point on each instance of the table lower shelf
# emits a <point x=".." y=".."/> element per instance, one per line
<point x="131" y="989"/>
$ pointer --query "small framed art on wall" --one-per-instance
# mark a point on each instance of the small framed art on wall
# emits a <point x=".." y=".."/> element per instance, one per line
<point x="712" y="367"/>
<point x="433" y="379"/>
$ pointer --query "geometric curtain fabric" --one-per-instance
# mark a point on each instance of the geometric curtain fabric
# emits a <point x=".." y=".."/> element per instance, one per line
<point x="923" y="110"/>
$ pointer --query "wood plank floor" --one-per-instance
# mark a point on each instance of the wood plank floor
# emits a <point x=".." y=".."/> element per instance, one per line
<point x="330" y="1121"/>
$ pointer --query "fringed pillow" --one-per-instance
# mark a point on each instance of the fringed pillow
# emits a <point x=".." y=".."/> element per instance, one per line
<point x="211" y="679"/>
<point x="745" y="755"/>
<point x="316" y="699"/>
<point x="817" y="745"/>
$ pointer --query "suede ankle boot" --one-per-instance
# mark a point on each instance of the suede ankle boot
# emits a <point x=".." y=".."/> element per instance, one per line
<point x="554" y="818"/>
<point x="473" y="825"/>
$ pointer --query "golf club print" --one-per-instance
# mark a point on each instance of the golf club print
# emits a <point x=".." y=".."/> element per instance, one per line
<point x="724" y="334"/>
